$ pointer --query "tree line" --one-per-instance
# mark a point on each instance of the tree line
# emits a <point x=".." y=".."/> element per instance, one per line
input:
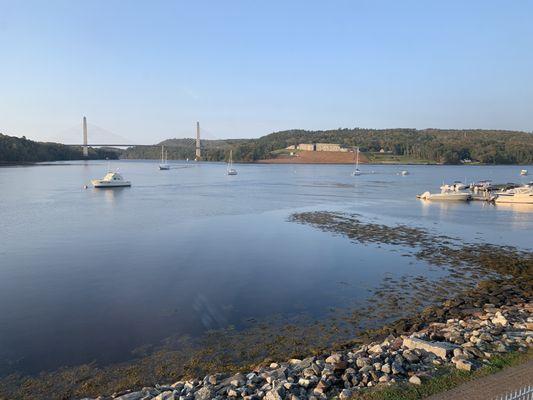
<point x="434" y="145"/>
<point x="16" y="150"/>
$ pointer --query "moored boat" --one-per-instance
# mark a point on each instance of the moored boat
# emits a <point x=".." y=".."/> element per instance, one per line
<point x="520" y="195"/>
<point x="111" y="180"/>
<point x="523" y="172"/>
<point x="356" y="170"/>
<point x="164" y="160"/>
<point x="230" y="170"/>
<point x="446" y="196"/>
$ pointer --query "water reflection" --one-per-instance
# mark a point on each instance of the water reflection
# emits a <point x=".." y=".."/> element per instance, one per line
<point x="111" y="195"/>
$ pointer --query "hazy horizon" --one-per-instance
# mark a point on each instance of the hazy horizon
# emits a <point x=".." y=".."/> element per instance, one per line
<point x="148" y="72"/>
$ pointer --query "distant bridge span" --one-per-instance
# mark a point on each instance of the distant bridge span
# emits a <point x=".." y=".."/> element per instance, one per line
<point x="85" y="145"/>
<point x="110" y="145"/>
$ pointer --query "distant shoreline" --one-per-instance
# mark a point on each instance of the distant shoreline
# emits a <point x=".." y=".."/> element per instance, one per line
<point x="270" y="161"/>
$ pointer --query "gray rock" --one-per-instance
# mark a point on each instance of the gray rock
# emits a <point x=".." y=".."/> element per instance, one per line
<point x="415" y="380"/>
<point x="440" y="349"/>
<point x="397" y="368"/>
<point x="362" y="362"/>
<point x="131" y="396"/>
<point x="386" y="368"/>
<point x="345" y="394"/>
<point x="464" y="365"/>
<point x="168" y="395"/>
<point x="334" y="358"/>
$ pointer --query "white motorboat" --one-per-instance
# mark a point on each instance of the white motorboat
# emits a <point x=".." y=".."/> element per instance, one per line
<point x="356" y="170"/>
<point x="523" y="172"/>
<point x="447" y="193"/>
<point x="164" y="166"/>
<point x="404" y="173"/>
<point x="111" y="180"/>
<point x="457" y="186"/>
<point x="520" y="195"/>
<point x="230" y="170"/>
<point x="446" y="196"/>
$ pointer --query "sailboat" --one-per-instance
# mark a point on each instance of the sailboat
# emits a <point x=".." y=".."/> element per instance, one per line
<point x="356" y="170"/>
<point x="230" y="170"/>
<point x="164" y="160"/>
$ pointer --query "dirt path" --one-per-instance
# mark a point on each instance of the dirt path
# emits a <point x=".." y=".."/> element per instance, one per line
<point x="492" y="386"/>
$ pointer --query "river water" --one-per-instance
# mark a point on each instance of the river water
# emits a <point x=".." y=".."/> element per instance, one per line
<point x="88" y="274"/>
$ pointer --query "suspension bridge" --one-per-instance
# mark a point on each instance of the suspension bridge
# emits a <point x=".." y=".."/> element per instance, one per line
<point x="119" y="141"/>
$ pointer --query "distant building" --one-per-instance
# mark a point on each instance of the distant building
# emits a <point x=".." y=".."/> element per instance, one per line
<point x="328" y="147"/>
<point x="319" y="147"/>
<point x="307" y="146"/>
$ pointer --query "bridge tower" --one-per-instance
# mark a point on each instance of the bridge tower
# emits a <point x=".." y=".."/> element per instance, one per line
<point x="198" y="148"/>
<point x="85" y="147"/>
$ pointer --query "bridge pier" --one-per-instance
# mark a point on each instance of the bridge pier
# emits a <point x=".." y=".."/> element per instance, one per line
<point x="198" y="152"/>
<point x="85" y="146"/>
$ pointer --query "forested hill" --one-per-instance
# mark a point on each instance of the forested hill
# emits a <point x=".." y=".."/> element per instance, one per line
<point x="437" y="145"/>
<point x="432" y="145"/>
<point x="17" y="150"/>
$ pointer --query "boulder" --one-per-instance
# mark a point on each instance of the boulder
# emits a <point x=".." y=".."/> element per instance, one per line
<point x="440" y="349"/>
<point x="464" y="365"/>
<point x="345" y="394"/>
<point x="168" y="395"/>
<point x="131" y="396"/>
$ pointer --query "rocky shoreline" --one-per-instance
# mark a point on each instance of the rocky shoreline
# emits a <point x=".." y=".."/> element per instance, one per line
<point x="465" y="343"/>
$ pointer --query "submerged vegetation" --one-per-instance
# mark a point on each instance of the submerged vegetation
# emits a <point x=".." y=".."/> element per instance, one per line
<point x="22" y="150"/>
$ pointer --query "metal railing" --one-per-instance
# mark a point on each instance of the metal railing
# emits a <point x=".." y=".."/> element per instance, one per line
<point x="525" y="393"/>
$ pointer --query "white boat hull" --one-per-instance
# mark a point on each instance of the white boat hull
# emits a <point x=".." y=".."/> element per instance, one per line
<point x="451" y="196"/>
<point x="97" y="183"/>
<point x="164" y="167"/>
<point x="517" y="198"/>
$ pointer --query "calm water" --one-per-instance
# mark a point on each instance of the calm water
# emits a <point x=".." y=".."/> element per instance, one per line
<point x="91" y="274"/>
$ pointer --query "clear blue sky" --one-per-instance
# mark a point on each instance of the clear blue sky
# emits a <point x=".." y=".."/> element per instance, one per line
<point x="148" y="70"/>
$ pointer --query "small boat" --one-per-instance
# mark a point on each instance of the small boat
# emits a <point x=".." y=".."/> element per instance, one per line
<point x="111" y="180"/>
<point x="164" y="160"/>
<point x="457" y="186"/>
<point x="520" y="195"/>
<point x="446" y="196"/>
<point x="523" y="172"/>
<point x="356" y="170"/>
<point x="230" y="170"/>
<point x="447" y="193"/>
<point x="404" y="173"/>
